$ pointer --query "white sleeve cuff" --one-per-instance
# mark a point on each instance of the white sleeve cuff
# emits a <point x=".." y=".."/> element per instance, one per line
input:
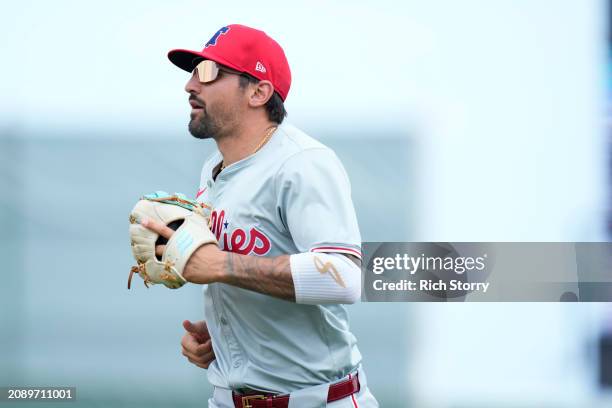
<point x="321" y="278"/>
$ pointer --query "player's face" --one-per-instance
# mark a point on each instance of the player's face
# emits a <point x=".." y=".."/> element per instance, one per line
<point x="214" y="105"/>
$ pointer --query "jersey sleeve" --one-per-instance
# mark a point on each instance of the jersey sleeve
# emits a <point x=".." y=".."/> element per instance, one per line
<point x="314" y="203"/>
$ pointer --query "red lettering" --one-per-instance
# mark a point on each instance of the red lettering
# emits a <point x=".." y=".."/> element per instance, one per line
<point x="265" y="242"/>
<point x="257" y="242"/>
<point x="213" y="222"/>
<point x="225" y="248"/>
<point x="238" y="239"/>
<point x="220" y="224"/>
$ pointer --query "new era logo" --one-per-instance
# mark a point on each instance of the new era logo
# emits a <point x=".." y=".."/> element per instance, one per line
<point x="259" y="67"/>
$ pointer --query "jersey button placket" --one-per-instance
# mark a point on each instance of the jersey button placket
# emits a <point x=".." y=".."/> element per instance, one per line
<point x="235" y="353"/>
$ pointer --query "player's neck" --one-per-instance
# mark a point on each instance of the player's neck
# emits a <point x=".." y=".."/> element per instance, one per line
<point x="243" y="141"/>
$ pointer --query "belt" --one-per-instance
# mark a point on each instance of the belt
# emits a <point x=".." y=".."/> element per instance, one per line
<point x="336" y="392"/>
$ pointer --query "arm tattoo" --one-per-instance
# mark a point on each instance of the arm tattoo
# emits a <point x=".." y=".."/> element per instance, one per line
<point x="270" y="276"/>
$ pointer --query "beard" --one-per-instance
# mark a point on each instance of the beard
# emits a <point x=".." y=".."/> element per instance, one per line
<point x="204" y="126"/>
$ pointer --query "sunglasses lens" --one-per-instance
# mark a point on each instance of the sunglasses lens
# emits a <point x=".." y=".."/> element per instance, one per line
<point x="207" y="71"/>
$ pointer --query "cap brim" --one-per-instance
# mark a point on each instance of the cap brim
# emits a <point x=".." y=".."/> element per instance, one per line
<point x="185" y="59"/>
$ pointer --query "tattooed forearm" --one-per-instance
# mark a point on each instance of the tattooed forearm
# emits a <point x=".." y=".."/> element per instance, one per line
<point x="271" y="276"/>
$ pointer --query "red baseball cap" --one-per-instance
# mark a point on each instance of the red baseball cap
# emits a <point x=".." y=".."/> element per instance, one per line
<point x="244" y="49"/>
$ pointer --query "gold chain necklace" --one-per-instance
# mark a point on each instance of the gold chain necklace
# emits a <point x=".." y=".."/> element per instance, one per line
<point x="264" y="140"/>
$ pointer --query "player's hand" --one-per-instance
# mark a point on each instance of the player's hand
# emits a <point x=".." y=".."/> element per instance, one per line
<point x="196" y="344"/>
<point x="206" y="264"/>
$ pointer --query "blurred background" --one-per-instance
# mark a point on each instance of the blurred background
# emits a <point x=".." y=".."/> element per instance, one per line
<point x="457" y="121"/>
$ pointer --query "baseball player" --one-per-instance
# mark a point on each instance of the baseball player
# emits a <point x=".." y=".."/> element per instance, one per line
<point x="287" y="253"/>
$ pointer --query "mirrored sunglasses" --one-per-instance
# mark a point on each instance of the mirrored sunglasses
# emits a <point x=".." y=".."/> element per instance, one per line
<point x="208" y="71"/>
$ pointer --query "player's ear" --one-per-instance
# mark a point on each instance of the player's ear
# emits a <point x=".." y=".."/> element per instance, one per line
<point x="261" y="93"/>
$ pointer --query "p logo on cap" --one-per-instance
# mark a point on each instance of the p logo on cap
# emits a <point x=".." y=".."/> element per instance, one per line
<point x="213" y="40"/>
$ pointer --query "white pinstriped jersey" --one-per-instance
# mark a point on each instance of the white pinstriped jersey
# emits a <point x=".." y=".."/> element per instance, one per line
<point x="292" y="196"/>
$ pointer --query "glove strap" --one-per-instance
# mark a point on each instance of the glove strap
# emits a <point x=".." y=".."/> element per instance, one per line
<point x="190" y="236"/>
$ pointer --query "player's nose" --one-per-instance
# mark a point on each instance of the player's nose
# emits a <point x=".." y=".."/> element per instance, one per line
<point x="193" y="85"/>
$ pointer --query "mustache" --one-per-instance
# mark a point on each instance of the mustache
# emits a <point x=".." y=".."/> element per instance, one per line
<point x="197" y="101"/>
